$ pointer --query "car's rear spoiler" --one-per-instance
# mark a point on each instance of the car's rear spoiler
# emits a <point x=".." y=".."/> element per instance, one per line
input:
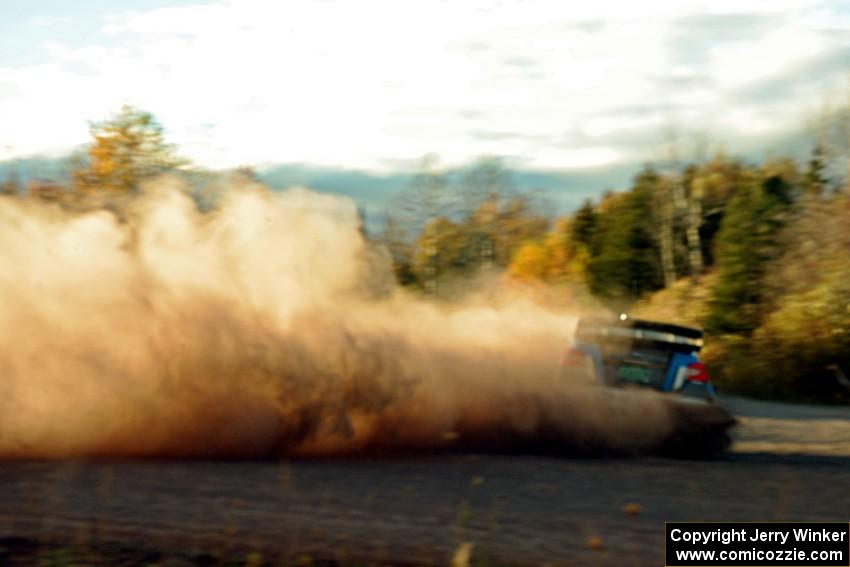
<point x="638" y="329"/>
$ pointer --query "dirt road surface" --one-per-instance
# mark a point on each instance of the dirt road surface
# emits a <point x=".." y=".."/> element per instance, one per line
<point x="789" y="463"/>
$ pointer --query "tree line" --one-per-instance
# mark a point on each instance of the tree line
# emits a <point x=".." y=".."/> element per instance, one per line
<point x="125" y="151"/>
<point x="768" y="244"/>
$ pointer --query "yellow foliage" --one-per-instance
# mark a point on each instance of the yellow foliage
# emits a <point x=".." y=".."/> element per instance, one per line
<point x="554" y="258"/>
<point x="126" y="150"/>
<point x="530" y="262"/>
<point x="439" y="249"/>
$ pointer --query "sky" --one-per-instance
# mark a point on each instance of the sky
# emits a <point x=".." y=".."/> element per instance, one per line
<point x="374" y="85"/>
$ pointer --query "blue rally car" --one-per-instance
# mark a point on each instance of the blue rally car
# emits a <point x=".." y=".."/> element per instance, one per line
<point x="623" y="352"/>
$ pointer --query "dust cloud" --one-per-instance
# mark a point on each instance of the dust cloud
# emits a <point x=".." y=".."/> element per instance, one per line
<point x="270" y="327"/>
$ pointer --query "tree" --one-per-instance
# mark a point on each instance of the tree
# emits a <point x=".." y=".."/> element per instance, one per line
<point x="484" y="190"/>
<point x="584" y="224"/>
<point x="517" y="221"/>
<point x="695" y="185"/>
<point x="717" y="181"/>
<point x="564" y="256"/>
<point x="430" y="234"/>
<point x="807" y="330"/>
<point x="11" y="187"/>
<point x="554" y="258"/>
<point x="488" y="181"/>
<point x="625" y="260"/>
<point x="439" y="250"/>
<point x="747" y="241"/>
<point x="815" y="182"/>
<point x="396" y="238"/>
<point x="665" y="206"/>
<point x="45" y="190"/>
<point x="679" y="203"/>
<point x="409" y="212"/>
<point x="425" y="199"/>
<point x="530" y="262"/>
<point x="126" y="150"/>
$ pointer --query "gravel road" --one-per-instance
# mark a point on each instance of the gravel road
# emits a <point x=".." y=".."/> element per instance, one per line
<point x="513" y="510"/>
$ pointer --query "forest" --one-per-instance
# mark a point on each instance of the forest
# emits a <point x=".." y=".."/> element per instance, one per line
<point x="756" y="253"/>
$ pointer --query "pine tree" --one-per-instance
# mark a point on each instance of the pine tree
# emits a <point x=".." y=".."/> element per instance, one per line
<point x="625" y="257"/>
<point x="584" y="224"/>
<point x="747" y="241"/>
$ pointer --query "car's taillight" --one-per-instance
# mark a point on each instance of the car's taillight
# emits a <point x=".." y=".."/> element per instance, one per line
<point x="573" y="357"/>
<point x="696" y="373"/>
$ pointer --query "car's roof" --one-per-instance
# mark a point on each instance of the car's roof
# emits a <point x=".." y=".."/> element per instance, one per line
<point x="628" y="322"/>
<point x="639" y="329"/>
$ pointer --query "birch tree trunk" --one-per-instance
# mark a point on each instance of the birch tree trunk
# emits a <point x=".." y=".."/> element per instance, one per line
<point x="694" y="222"/>
<point x="666" y="207"/>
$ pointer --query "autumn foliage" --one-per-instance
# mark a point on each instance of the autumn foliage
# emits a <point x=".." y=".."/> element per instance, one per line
<point x="757" y="253"/>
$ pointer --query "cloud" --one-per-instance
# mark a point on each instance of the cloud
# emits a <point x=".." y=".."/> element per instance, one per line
<point x="45" y="21"/>
<point x="804" y="77"/>
<point x="363" y="85"/>
<point x="694" y="36"/>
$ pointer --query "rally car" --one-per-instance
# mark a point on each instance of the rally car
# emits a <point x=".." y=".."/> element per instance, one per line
<point x="625" y="352"/>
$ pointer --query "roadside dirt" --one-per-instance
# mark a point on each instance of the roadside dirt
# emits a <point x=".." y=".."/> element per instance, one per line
<point x="419" y="511"/>
<point x="768" y="427"/>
